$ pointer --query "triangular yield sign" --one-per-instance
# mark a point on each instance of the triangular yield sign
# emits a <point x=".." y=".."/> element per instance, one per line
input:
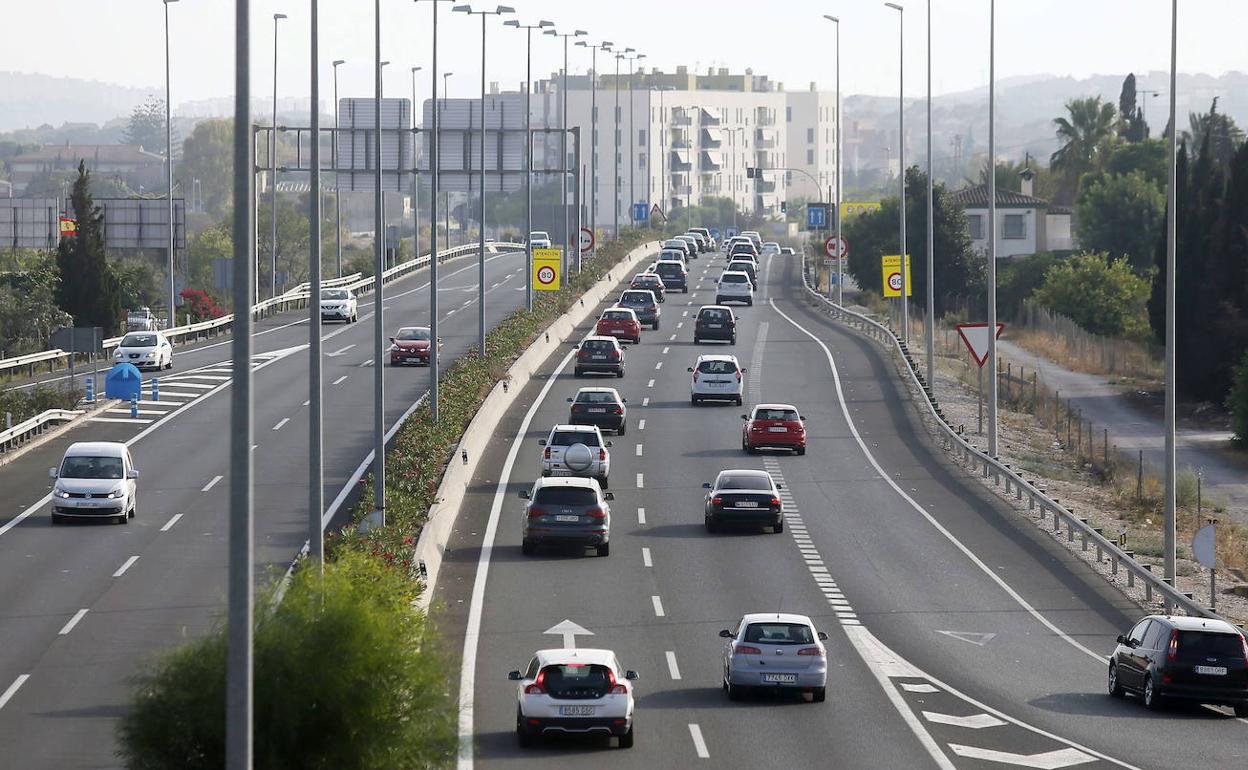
<point x="657" y="213"/>
<point x="975" y="337"/>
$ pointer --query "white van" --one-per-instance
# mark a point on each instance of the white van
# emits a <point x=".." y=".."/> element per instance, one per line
<point x="96" y="479"/>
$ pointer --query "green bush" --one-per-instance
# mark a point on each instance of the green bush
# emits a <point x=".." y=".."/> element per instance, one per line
<point x="1100" y="294"/>
<point x="1237" y="402"/>
<point x="1018" y="279"/>
<point x="24" y="404"/>
<point x="347" y="675"/>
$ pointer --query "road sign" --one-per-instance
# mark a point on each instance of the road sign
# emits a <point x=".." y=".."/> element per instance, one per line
<point x="975" y="337"/>
<point x="641" y="212"/>
<point x="586" y="240"/>
<point x="715" y="233"/>
<point x="1203" y="546"/>
<point x="733" y="233"/>
<point x="890" y="267"/>
<point x="817" y="216"/>
<point x="657" y="213"/>
<point x="835" y="248"/>
<point x="547" y="268"/>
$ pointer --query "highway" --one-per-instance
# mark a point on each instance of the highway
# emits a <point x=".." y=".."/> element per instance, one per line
<point x="86" y="603"/>
<point x="960" y="635"/>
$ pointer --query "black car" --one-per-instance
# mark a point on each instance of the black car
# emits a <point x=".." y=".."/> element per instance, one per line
<point x="674" y="275"/>
<point x="715" y="322"/>
<point x="599" y="354"/>
<point x="744" y="497"/>
<point x="603" y="407"/>
<point x="643" y="303"/>
<point x="1199" y="660"/>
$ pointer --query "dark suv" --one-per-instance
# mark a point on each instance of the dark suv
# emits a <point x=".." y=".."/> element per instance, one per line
<point x="1199" y="660"/>
<point x="715" y="322"/>
<point x="599" y="354"/>
<point x="643" y="303"/>
<point x="674" y="275"/>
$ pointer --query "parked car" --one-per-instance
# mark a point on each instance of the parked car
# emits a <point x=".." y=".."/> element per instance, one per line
<point x="95" y="480"/>
<point x="775" y="650"/>
<point x="652" y="282"/>
<point x="643" y="303"/>
<point x="675" y="275"/>
<point x="566" y="511"/>
<point x="539" y="239"/>
<point x="604" y="407"/>
<point x="716" y="377"/>
<point x="619" y="322"/>
<point x="576" y="450"/>
<point x="734" y="286"/>
<point x="145" y="350"/>
<point x="1168" y="658"/>
<point x="339" y="305"/>
<point x="574" y="691"/>
<point x="773" y="426"/>
<point x="603" y="355"/>
<point x="412" y="345"/>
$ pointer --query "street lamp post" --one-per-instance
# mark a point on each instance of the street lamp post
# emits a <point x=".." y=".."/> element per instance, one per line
<point x="446" y="195"/>
<point x="415" y="176"/>
<point x="498" y="11"/>
<point x="337" y="192"/>
<point x="528" y="151"/>
<point x="632" y="130"/>
<point x="1170" y="535"/>
<point x="378" y="515"/>
<point x="173" y="298"/>
<point x="992" y="229"/>
<point x="593" y="133"/>
<point x="563" y="147"/>
<point x="615" y="194"/>
<point x="901" y="166"/>
<point x="931" y="226"/>
<point x="273" y="167"/>
<point x="840" y="261"/>
<point x="316" y="470"/>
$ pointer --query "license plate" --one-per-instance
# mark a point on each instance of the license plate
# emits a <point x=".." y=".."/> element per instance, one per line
<point x="598" y="410"/>
<point x="577" y="711"/>
<point x="561" y="472"/>
<point x="714" y="326"/>
<point x="1211" y="670"/>
<point x="780" y="678"/>
<point x="745" y="504"/>
<point x="567" y="517"/>
<point x="778" y="429"/>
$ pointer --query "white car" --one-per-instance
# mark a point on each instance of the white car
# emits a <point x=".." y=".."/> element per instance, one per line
<point x="567" y="691"/>
<point x="734" y="286"/>
<point x="717" y="377"/>
<point x="674" y="255"/>
<point x="755" y="237"/>
<point x="775" y="650"/>
<point x="339" y="304"/>
<point x="576" y="450"/>
<point x="95" y="480"/>
<point x="539" y="239"/>
<point x="146" y="350"/>
<point x="771" y="247"/>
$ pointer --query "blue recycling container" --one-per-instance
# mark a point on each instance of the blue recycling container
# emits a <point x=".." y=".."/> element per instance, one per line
<point x="123" y="381"/>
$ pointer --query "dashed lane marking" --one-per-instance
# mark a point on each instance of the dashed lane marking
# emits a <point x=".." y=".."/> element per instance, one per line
<point x="699" y="743"/>
<point x="339" y="380"/>
<point x="125" y="566"/>
<point x="281" y="423"/>
<point x="639" y="450"/>
<point x="169" y="524"/>
<point x="641" y="481"/>
<point x="69" y="626"/>
<point x="641" y="516"/>
<point x="645" y="557"/>
<point x="658" y="606"/>
<point x="672" y="669"/>
<point x="641" y="424"/>
<point x="212" y="483"/>
<point x="12" y="689"/>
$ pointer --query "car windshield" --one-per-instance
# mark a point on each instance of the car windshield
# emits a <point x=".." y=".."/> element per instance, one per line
<point x="775" y="414"/>
<point x="668" y="269"/>
<point x="412" y="334"/>
<point x="779" y="633"/>
<point x="539" y="235"/>
<point x="86" y="467"/>
<point x="595" y="397"/>
<point x="734" y="278"/>
<point x="717" y="367"/>
<point x="139" y="341"/>
<point x="744" y="481"/>
<point x="576" y="680"/>
<point x="713" y="315"/>
<point x="566" y="496"/>
<point x="617" y="315"/>
<point x="635" y="298"/>
<point x="334" y="294"/>
<point x="1205" y="644"/>
<point x="597" y="345"/>
<point x="570" y="437"/>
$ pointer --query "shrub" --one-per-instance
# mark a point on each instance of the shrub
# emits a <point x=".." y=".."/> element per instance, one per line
<point x="24" y="404"/>
<point x="1237" y="402"/>
<point x="347" y="675"/>
<point x="1102" y="295"/>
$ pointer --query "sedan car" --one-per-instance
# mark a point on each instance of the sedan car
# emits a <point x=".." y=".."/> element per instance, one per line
<point x="715" y="322"/>
<point x="734" y="286"/>
<point x="576" y="691"/>
<point x="566" y="511"/>
<point x="619" y="322"/>
<point x="604" y="407"/>
<point x="695" y="248"/>
<point x="775" y="650"/>
<point x="771" y="247"/>
<point x="716" y="377"/>
<point x="576" y="450"/>
<point x="603" y="355"/>
<point x="773" y="426"/>
<point x="746" y="497"/>
<point x="1172" y="658"/>
<point x="412" y="345"/>
<point x="339" y="305"/>
<point x="145" y="350"/>
<point x="652" y="282"/>
<point x="95" y="480"/>
<point x="675" y="275"/>
<point x="643" y="303"/>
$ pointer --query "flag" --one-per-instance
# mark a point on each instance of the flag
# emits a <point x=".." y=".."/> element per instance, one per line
<point x="68" y="226"/>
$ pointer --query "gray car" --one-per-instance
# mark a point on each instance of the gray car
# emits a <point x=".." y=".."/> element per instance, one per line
<point x="644" y="304"/>
<point x="775" y="650"/>
<point x="567" y="511"/>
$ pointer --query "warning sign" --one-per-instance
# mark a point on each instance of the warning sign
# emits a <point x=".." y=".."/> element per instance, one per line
<point x="890" y="267"/>
<point x="547" y="268"/>
<point x="975" y="337"/>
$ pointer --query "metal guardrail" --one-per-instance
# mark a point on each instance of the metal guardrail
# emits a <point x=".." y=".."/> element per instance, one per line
<point x="297" y="297"/>
<point x="999" y="472"/>
<point x="11" y="438"/>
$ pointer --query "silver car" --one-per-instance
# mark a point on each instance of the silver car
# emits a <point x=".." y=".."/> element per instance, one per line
<point x="775" y="650"/>
<point x="95" y="480"/>
<point x="567" y="511"/>
<point x="576" y="450"/>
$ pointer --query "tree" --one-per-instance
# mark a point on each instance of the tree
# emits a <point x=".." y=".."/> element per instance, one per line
<point x="1237" y="403"/>
<point x="203" y="249"/>
<point x="1086" y="137"/>
<point x="1132" y="127"/>
<point x="93" y="296"/>
<point x="146" y="127"/>
<point x="1100" y="294"/>
<point x="136" y="284"/>
<point x="1121" y="215"/>
<point x="208" y="156"/>
<point x="959" y="270"/>
<point x="1221" y="131"/>
<point x="28" y="310"/>
<point x="1150" y="157"/>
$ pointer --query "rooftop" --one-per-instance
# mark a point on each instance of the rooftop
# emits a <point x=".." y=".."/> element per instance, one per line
<point x="976" y="197"/>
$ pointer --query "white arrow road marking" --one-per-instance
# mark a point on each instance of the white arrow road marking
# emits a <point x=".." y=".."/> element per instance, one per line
<point x="340" y="351"/>
<point x="569" y="631"/>
<point x="979" y="639"/>
<point x="920" y="687"/>
<point x="972" y="722"/>
<point x="1048" y="760"/>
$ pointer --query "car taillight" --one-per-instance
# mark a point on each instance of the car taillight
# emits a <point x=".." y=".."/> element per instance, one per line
<point x="546" y="453"/>
<point x="615" y="355"/>
<point x="695" y="375"/>
<point x="538" y="687"/>
<point x="745" y="649"/>
<point x="775" y="502"/>
<point x="536" y="511"/>
<point x="616" y="410"/>
<point x="596" y="513"/>
<point x="602" y="455"/>
<point x="717" y="500"/>
<point x="1173" y="651"/>
<point x="738" y="375"/>
<point x="615" y="688"/>
<point x="815" y="651"/>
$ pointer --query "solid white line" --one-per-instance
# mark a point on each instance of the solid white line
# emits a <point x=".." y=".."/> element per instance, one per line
<point x="641" y="481"/>
<point x="282" y="422"/>
<point x="13" y="688"/>
<point x="169" y="524"/>
<point x="641" y="515"/>
<point x="672" y="669"/>
<point x="645" y="557"/>
<point x="641" y="424"/>
<point x="212" y="483"/>
<point x="196" y="385"/>
<point x="339" y="380"/>
<point x="128" y="563"/>
<point x="130" y="420"/>
<point x="162" y="402"/>
<point x="639" y="450"/>
<point x="136" y="411"/>
<point x="176" y="394"/>
<point x="65" y="629"/>
<point x="699" y="745"/>
<point x="658" y="606"/>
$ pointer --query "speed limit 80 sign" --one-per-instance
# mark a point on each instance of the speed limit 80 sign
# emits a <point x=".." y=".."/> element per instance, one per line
<point x="547" y="264"/>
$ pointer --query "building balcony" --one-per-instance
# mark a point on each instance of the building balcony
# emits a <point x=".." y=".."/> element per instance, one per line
<point x="764" y="117"/>
<point x="681" y="119"/>
<point x="710" y="141"/>
<point x="708" y="119"/>
<point x="708" y="163"/>
<point x="681" y="143"/>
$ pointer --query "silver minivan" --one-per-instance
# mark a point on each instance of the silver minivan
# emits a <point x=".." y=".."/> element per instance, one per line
<point x="95" y="480"/>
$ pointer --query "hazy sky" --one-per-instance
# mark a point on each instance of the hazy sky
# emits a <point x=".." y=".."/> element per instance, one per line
<point x="120" y="41"/>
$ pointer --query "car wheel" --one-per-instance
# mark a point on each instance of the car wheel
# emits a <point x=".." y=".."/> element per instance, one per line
<point x="637" y="340"/>
<point x="656" y="324"/>
<point x="122" y="519"/>
<point x="577" y="372"/>
<point x="1152" y="699"/>
<point x="620" y="373"/>
<point x="778" y="527"/>
<point x="696" y="339"/>
<point x="1241" y="710"/>
<point x="56" y="519"/>
<point x="604" y="549"/>
<point x="733" y="340"/>
<point x="750" y="302"/>
<point x="620" y="431"/>
<point x="684" y="290"/>
<point x="693" y="400"/>
<point x="626" y="740"/>
<point x="819" y="695"/>
<point x="739" y="402"/>
<point x="719" y="300"/>
<point x="602" y="482"/>
<point x="801" y="450"/>
<point x="711" y="526"/>
<point x="1115" y="686"/>
<point x="527" y="548"/>
<point x="735" y="691"/>
<point x="523" y="736"/>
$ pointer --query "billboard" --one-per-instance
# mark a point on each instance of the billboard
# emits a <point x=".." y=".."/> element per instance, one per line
<point x="357" y="145"/>
<point x="29" y="223"/>
<point x="129" y="223"/>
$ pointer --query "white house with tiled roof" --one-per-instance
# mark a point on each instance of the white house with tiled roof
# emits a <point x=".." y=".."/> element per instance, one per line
<point x="1025" y="224"/>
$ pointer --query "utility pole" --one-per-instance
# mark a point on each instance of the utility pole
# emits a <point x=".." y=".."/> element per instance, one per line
<point x="931" y="226"/>
<point x="901" y="159"/>
<point x="173" y="297"/>
<point x="316" y="470"/>
<point x="337" y="192"/>
<point x="1172" y="202"/>
<point x="273" y="167"/>
<point x="593" y="134"/>
<point x="992" y="229"/>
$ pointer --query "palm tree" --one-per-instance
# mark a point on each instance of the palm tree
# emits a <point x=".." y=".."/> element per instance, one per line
<point x="1086" y="137"/>
<point x="1219" y="130"/>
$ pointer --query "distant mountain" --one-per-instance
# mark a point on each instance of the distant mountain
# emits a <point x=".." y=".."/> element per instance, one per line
<point x="30" y="101"/>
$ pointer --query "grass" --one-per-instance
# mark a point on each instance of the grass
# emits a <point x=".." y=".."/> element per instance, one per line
<point x="1123" y="358"/>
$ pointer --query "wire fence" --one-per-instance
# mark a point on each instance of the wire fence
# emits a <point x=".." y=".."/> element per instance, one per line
<point x="1061" y="339"/>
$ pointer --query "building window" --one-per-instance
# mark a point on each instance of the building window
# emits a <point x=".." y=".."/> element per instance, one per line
<point x="1014" y="226"/>
<point x="617" y="137"/>
<point x="810" y="136"/>
<point x="975" y="223"/>
<point x="641" y="137"/>
<point x="595" y="114"/>
<point x="788" y="114"/>
<point x="810" y="157"/>
<point x="641" y="161"/>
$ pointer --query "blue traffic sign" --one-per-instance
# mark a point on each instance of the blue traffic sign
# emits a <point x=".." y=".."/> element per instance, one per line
<point x="817" y="216"/>
<point x="641" y="212"/>
<point x="733" y="232"/>
<point x="715" y="233"/>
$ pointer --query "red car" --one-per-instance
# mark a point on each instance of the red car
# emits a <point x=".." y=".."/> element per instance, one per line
<point x="411" y="346"/>
<point x="773" y="426"/>
<point x="620" y="323"/>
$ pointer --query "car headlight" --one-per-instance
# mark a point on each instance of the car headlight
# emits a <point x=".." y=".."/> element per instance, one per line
<point x="150" y="355"/>
<point x="116" y="494"/>
<point x="58" y="492"/>
<point x="119" y="354"/>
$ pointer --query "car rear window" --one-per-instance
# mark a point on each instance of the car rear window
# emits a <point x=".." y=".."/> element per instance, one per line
<point x="779" y="633"/>
<point x="595" y="397"/>
<point x="775" y="414"/>
<point x="84" y="467"/>
<point x="715" y="316"/>
<point x="635" y="298"/>
<point x="734" y="278"/>
<point x="566" y="496"/>
<point x="576" y="680"/>
<point x="745" y="482"/>
<point x="618" y="315"/>
<point x="570" y="437"/>
<point x="717" y="367"/>
<point x="669" y="268"/>
<point x="1206" y="644"/>
<point x="597" y="345"/>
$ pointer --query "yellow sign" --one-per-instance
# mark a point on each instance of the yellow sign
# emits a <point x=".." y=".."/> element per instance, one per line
<point x="890" y="267"/>
<point x="547" y="269"/>
<point x="850" y="209"/>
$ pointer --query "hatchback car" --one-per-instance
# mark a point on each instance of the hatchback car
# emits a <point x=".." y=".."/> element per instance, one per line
<point x="652" y="282"/>
<point x="602" y="355"/>
<point x="675" y="275"/>
<point x="576" y="450"/>
<point x="743" y="497"/>
<point x="619" y="322"/>
<point x="95" y="480"/>
<point x="539" y="239"/>
<point x="1198" y="660"/>
<point x="706" y="236"/>
<point x="775" y="651"/>
<point x="771" y="247"/>
<point x="695" y="248"/>
<point x="684" y="247"/>
<point x="574" y="691"/>
<point x="566" y="511"/>
<point x="145" y="350"/>
<point x="734" y="286"/>
<point x="701" y="240"/>
<point x="754" y="237"/>
<point x="742" y="248"/>
<point x="339" y="305"/>
<point x="643" y="303"/>
<point x="715" y="322"/>
<point x="412" y="345"/>
<point x="773" y="426"/>
<point x="716" y="377"/>
<point x="604" y="407"/>
<point x="744" y="266"/>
